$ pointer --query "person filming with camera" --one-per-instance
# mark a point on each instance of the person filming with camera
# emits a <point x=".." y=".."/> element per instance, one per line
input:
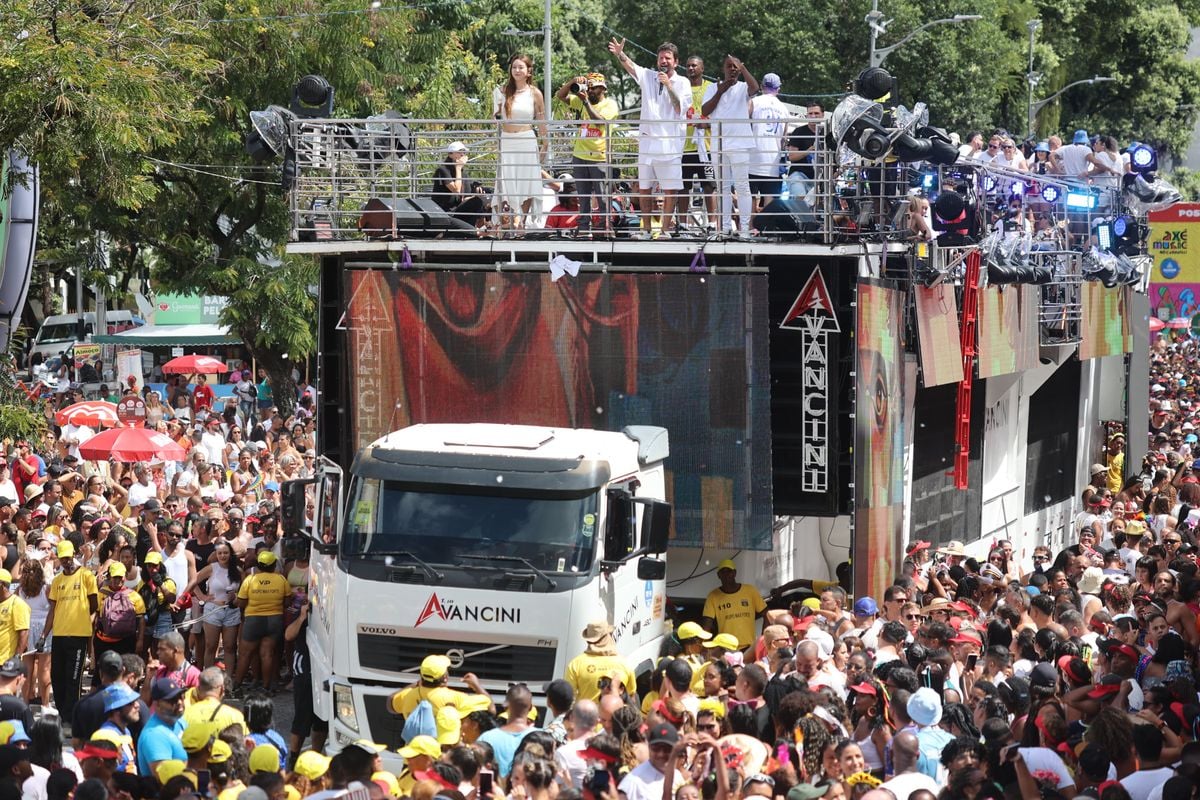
<point x="587" y="96"/>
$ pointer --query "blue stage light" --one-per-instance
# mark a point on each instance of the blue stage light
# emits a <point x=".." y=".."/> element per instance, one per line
<point x="1051" y="194"/>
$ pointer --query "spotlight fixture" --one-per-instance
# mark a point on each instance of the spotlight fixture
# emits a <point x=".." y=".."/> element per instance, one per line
<point x="1017" y="188"/>
<point x="954" y="216"/>
<point x="989" y="184"/>
<point x="1083" y="200"/>
<point x="268" y="137"/>
<point x="862" y="124"/>
<point x="1051" y="194"/>
<point x="312" y="97"/>
<point x="1143" y="158"/>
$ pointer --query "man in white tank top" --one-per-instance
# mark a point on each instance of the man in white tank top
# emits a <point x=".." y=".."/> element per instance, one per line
<point x="178" y="561"/>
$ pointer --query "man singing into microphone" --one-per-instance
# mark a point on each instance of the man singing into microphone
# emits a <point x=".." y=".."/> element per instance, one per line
<point x="666" y="97"/>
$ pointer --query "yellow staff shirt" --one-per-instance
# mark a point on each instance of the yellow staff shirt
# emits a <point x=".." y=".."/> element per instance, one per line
<point x="736" y="613"/>
<point x="266" y="592"/>
<point x="14" y="618"/>
<point x="72" y="611"/>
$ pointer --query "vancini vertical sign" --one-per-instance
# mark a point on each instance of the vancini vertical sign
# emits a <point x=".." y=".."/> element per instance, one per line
<point x="813" y="316"/>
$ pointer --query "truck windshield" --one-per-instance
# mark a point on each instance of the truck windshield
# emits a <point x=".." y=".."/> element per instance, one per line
<point x="554" y="531"/>
<point x="60" y="332"/>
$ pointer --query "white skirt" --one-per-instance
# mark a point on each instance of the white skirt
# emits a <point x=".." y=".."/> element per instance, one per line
<point x="519" y="177"/>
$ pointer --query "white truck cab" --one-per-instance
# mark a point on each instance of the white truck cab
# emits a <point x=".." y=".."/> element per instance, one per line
<point x="493" y="544"/>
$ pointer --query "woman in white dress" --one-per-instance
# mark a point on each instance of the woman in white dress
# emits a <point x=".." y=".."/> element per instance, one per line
<point x="518" y="104"/>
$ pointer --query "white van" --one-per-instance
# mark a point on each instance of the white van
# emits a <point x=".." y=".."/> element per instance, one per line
<point x="60" y="331"/>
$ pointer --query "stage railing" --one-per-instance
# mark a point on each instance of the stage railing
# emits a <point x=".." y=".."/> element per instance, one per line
<point x="355" y="179"/>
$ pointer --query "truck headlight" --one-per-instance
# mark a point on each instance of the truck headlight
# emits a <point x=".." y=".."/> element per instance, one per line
<point x="343" y="706"/>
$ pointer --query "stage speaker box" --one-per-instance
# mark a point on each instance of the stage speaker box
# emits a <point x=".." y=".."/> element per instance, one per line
<point x="416" y="217"/>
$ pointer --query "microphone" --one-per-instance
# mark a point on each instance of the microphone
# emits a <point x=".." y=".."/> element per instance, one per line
<point x="660" y="86"/>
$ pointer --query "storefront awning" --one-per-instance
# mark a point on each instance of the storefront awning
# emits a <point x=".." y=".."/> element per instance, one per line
<point x="171" y="335"/>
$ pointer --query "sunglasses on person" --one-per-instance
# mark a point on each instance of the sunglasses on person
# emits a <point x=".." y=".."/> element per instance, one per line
<point x="913" y="617"/>
<point x="1172" y="541"/>
<point x="1040" y="559"/>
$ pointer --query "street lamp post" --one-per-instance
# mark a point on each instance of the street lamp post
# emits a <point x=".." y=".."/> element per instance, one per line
<point x="1031" y="77"/>
<point x="1034" y="108"/>
<point x="879" y="25"/>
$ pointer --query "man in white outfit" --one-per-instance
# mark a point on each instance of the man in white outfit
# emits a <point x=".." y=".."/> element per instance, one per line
<point x="725" y="103"/>
<point x="666" y="97"/>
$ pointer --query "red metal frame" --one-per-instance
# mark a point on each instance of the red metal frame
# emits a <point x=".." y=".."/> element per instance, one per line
<point x="970" y="316"/>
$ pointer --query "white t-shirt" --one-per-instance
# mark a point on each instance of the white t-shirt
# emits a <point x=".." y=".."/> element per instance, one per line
<point x="768" y="134"/>
<point x="733" y="105"/>
<point x="1140" y="783"/>
<point x="644" y="782"/>
<point x="8" y="489"/>
<point x="80" y="432"/>
<point x="1074" y="159"/>
<point x="568" y="760"/>
<point x="214" y="446"/>
<point x="1044" y="758"/>
<point x="902" y="786"/>
<point x="139" y="494"/>
<point x="663" y="128"/>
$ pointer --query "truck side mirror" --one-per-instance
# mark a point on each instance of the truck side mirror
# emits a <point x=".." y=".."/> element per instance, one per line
<point x="656" y="527"/>
<point x="292" y="506"/>
<point x="651" y="569"/>
<point x="618" y="531"/>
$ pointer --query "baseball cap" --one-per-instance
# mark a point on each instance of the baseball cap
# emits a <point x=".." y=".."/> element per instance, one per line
<point x="272" y="486"/>
<point x="116" y="570"/>
<point x="12" y="668"/>
<point x="771" y="82"/>
<point x="725" y="641"/>
<point x="918" y="546"/>
<point x="65" y="549"/>
<point x="421" y="746"/>
<point x="117" y="695"/>
<point x="196" y="737"/>
<point x="153" y="557"/>
<point x="366" y="745"/>
<point x="865" y="688"/>
<point x="726" y="563"/>
<point x="1043" y="676"/>
<point x="167" y="688"/>
<point x="865" y="607"/>
<point x="98" y="748"/>
<point x="456" y="147"/>
<point x="312" y="764"/>
<point x="596" y="79"/>
<point x="434" y="667"/>
<point x="220" y="753"/>
<point x="691" y="630"/>
<point x="266" y="558"/>
<point x="264" y="758"/>
<point x="387" y="781"/>
<point x="5" y="576"/>
<point x="13" y="731"/>
<point x="152" y="505"/>
<point x="1109" y="685"/>
<point x="663" y="733"/>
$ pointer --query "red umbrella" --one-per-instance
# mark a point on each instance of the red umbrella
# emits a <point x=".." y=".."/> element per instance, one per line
<point x="194" y="365"/>
<point x="1179" y="323"/>
<point x="131" y="444"/>
<point x="1156" y="324"/>
<point x="96" y="413"/>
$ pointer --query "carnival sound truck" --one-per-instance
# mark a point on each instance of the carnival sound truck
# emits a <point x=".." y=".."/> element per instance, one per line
<point x="494" y="544"/>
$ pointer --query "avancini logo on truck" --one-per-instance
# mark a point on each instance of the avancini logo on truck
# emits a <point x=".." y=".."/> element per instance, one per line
<point x="452" y="611"/>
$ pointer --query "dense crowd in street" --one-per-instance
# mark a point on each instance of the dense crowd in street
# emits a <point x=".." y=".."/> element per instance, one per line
<point x="150" y="611"/>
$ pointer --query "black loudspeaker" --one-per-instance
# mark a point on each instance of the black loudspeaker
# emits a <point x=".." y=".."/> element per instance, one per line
<point x="417" y="218"/>
<point x="785" y="218"/>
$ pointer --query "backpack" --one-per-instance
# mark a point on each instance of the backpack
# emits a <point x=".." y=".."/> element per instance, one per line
<point x="118" y="619"/>
<point x="421" y="722"/>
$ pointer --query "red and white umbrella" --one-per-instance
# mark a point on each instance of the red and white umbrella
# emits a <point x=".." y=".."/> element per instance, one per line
<point x="1179" y="323"/>
<point x="96" y="413"/>
<point x="1156" y="324"/>
<point x="131" y="444"/>
<point x="194" y="365"/>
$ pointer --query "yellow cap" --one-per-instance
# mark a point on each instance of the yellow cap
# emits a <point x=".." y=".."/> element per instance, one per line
<point x="421" y="746"/>
<point x="312" y="764"/>
<point x="472" y="703"/>
<point x="726" y="563"/>
<point x="153" y="557"/>
<point x="374" y="748"/>
<point x="692" y="630"/>
<point x="65" y="549"/>
<point x="713" y="706"/>
<point x="448" y="725"/>
<point x="264" y="758"/>
<point x="5" y="576"/>
<point x="171" y="767"/>
<point x="291" y="793"/>
<point x="388" y="780"/>
<point x="725" y="641"/>
<point x="266" y="558"/>
<point x="116" y="570"/>
<point x="434" y="668"/>
<point x="812" y="603"/>
<point x="220" y="753"/>
<point x="196" y="737"/>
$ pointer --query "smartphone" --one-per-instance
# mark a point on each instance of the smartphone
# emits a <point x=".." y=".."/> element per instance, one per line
<point x="485" y="783"/>
<point x="1009" y="753"/>
<point x="972" y="660"/>
<point x="599" y="781"/>
<point x="202" y="781"/>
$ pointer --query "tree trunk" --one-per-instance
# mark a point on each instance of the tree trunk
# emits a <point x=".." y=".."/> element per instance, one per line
<point x="279" y="374"/>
